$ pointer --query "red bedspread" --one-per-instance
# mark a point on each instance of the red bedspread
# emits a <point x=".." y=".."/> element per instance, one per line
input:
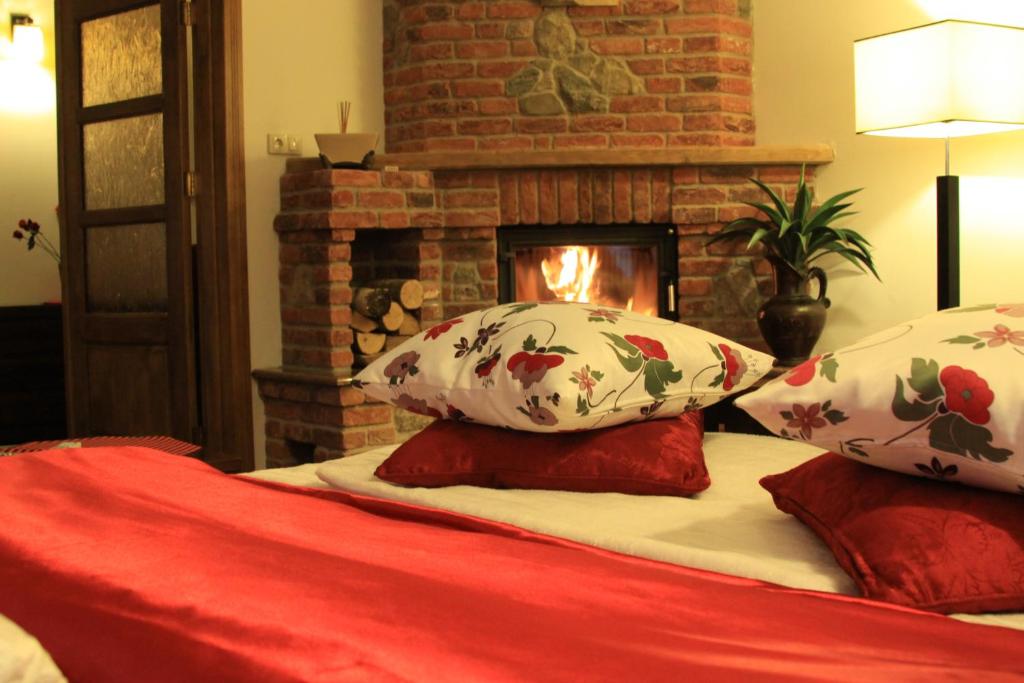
<point x="133" y="565"/>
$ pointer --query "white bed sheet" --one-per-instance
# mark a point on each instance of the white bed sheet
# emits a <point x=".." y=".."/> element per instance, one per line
<point x="733" y="527"/>
<point x="23" y="659"/>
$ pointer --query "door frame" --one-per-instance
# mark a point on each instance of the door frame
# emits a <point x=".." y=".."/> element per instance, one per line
<point x="222" y="260"/>
<point x="220" y="257"/>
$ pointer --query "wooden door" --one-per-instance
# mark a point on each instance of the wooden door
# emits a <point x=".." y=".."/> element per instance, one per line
<point x="128" y="283"/>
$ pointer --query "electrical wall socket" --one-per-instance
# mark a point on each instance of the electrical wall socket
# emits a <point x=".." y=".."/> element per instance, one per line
<point x="284" y="144"/>
<point x="277" y="143"/>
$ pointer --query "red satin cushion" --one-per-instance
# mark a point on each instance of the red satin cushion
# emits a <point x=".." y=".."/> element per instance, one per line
<point x="657" y="457"/>
<point x="927" y="544"/>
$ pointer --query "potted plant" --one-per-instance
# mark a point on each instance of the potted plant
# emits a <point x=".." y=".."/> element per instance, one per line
<point x="794" y="238"/>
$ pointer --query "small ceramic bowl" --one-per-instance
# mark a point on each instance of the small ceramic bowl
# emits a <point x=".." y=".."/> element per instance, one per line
<point x="346" y="149"/>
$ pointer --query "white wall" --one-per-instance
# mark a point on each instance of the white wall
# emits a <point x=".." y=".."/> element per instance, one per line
<point x="28" y="162"/>
<point x="299" y="60"/>
<point x="803" y="93"/>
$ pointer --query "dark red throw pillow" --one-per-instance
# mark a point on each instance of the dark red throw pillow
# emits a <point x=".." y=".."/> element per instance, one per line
<point x="936" y="546"/>
<point x="657" y="457"/>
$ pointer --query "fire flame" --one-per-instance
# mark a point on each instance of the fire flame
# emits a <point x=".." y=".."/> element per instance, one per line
<point x="589" y="275"/>
<point x="571" y="277"/>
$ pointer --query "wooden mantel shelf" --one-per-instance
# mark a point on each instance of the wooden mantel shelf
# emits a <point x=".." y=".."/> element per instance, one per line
<point x="812" y="155"/>
<point x="324" y="378"/>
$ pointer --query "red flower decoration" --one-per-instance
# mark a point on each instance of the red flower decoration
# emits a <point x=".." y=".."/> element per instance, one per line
<point x="1012" y="310"/>
<point x="417" y="405"/>
<point x="529" y="368"/>
<point x="735" y="367"/>
<point x="484" y="367"/>
<point x="966" y="393"/>
<point x="402" y="365"/>
<point x="807" y="419"/>
<point x="585" y="380"/>
<point x="803" y="373"/>
<point x="439" y="329"/>
<point x="456" y="414"/>
<point x="542" y="416"/>
<point x="19" y="235"/>
<point x="649" y="348"/>
<point x="610" y="316"/>
<point x="1001" y="334"/>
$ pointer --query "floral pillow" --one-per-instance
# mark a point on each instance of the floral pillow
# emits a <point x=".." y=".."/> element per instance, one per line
<point x="939" y="397"/>
<point x="547" y="367"/>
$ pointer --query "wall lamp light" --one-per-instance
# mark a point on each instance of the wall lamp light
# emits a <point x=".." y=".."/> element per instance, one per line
<point x="26" y="39"/>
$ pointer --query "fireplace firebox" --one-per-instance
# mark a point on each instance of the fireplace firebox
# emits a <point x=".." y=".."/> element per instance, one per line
<point x="631" y="267"/>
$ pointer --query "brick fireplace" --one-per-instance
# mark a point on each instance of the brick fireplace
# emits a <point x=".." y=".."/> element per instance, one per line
<point x="519" y="113"/>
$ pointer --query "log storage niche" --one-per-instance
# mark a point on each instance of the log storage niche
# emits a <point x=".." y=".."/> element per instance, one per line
<point x="384" y="314"/>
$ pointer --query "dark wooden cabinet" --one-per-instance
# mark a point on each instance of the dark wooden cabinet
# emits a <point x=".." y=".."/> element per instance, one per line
<point x="31" y="374"/>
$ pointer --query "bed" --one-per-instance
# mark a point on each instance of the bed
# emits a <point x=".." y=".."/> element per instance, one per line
<point x="131" y="563"/>
<point x="139" y="568"/>
<point x="732" y="527"/>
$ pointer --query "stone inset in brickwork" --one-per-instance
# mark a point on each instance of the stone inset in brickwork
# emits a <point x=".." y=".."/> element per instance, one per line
<point x="571" y="78"/>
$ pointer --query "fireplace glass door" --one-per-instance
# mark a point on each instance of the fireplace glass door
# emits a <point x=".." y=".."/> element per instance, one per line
<point x="629" y="267"/>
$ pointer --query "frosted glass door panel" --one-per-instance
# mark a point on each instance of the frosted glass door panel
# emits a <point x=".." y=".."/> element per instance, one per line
<point x="127" y="268"/>
<point x="124" y="162"/>
<point x="121" y="57"/>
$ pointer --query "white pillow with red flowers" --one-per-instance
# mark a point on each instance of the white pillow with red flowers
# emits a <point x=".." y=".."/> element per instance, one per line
<point x="549" y="367"/>
<point x="939" y="397"/>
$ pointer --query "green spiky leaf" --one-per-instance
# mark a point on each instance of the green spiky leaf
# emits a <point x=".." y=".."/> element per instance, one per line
<point x="758" y="235"/>
<point x="780" y="205"/>
<point x="622" y="344"/>
<point x="564" y="350"/>
<point x="629" y="363"/>
<point x="907" y="411"/>
<point x="924" y="379"/>
<point x="801" y="233"/>
<point x="962" y="339"/>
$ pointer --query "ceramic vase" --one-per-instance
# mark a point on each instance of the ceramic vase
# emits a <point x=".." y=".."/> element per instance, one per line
<point x="792" y="321"/>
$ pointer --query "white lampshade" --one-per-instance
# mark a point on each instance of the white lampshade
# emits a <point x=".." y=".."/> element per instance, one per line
<point x="948" y="79"/>
<point x="27" y="43"/>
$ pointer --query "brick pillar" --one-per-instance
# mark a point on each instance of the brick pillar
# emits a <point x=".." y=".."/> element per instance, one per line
<point x="312" y="413"/>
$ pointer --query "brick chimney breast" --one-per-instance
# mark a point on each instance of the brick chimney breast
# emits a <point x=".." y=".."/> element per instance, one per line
<point x="518" y="75"/>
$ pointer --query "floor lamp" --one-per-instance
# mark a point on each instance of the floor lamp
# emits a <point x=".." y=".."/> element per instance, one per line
<point x="943" y="80"/>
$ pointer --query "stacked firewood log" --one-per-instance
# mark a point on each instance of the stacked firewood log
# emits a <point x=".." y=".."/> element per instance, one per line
<point x="384" y="314"/>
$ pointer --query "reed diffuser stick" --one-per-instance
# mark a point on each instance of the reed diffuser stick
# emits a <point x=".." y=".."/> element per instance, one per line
<point x="344" y="109"/>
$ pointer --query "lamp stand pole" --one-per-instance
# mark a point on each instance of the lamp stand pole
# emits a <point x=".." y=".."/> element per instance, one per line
<point x="947" y="192"/>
